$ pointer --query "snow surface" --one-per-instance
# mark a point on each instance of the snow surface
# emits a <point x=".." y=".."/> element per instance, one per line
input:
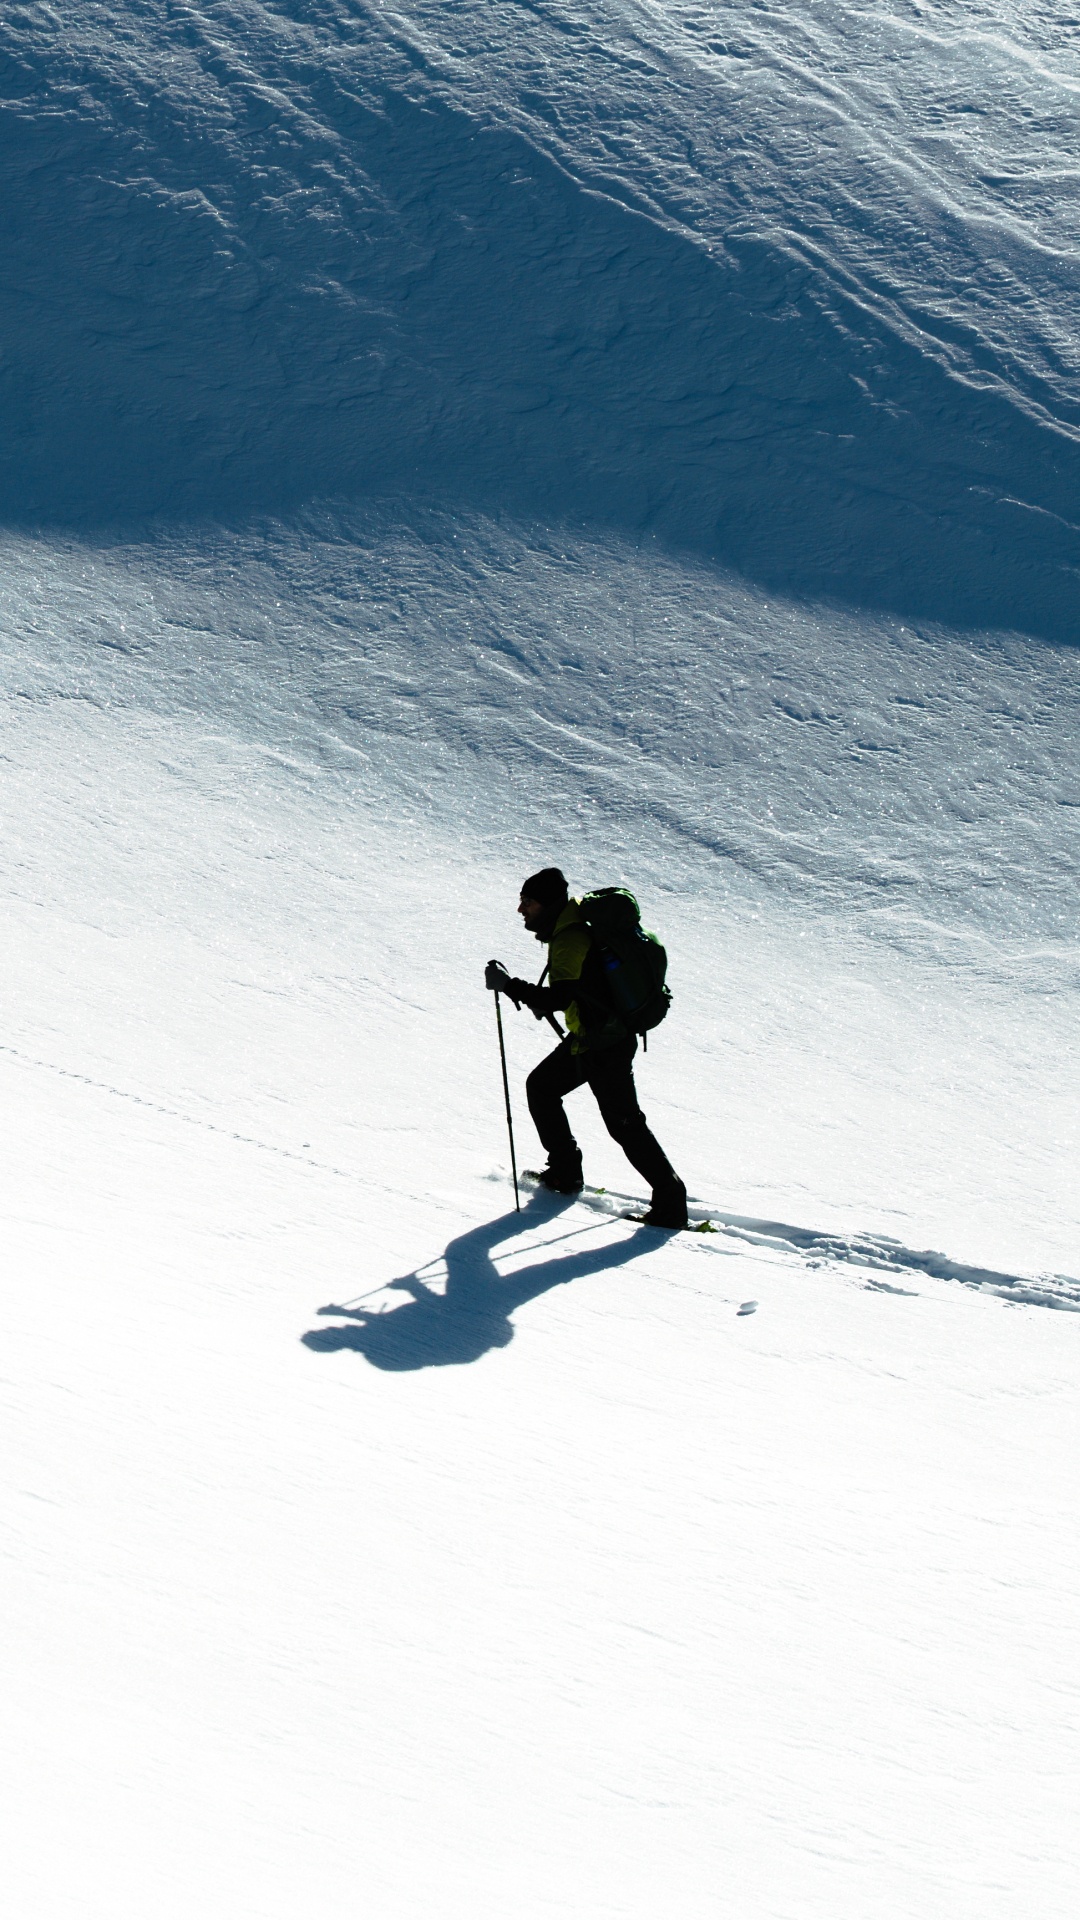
<point x="438" y="440"/>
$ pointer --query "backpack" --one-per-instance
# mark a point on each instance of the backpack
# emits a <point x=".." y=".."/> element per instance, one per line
<point x="633" y="962"/>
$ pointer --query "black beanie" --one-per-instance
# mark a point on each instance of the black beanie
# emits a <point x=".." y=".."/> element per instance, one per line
<point x="548" y="887"/>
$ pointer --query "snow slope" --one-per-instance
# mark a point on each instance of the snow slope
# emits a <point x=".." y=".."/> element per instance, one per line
<point x="437" y="440"/>
<point x="775" y="283"/>
<point x="521" y="1595"/>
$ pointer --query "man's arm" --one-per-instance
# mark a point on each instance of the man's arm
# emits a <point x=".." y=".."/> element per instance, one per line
<point x="523" y="993"/>
<point x="569" y="952"/>
<point x="546" y="999"/>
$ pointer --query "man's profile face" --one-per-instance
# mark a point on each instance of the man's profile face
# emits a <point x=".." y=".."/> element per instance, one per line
<point x="531" y="911"/>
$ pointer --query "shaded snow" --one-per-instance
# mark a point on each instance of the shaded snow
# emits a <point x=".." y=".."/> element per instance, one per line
<point x="589" y="263"/>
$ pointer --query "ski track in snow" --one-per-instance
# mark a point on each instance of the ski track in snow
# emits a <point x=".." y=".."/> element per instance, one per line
<point x="865" y="1250"/>
<point x="460" y="1305"/>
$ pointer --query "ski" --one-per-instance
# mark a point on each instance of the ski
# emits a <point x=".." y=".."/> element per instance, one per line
<point x="532" y="1176"/>
<point x="612" y="1203"/>
<point x="692" y="1226"/>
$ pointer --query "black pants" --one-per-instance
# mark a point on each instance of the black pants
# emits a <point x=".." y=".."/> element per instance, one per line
<point x="610" y="1074"/>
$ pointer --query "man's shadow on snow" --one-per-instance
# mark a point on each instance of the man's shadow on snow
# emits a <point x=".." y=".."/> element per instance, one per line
<point x="472" y="1316"/>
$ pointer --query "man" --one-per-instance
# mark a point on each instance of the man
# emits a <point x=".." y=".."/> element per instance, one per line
<point x="598" y="1050"/>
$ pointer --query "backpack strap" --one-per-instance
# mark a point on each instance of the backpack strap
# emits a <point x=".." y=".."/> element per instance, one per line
<point x="550" y="1017"/>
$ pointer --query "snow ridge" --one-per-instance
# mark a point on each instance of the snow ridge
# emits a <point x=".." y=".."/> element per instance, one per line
<point x="604" y="264"/>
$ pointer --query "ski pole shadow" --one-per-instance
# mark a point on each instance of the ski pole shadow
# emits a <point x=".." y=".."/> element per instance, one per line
<point x="472" y="1316"/>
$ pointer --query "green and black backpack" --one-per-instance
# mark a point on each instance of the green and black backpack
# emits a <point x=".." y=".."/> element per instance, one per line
<point x="633" y="963"/>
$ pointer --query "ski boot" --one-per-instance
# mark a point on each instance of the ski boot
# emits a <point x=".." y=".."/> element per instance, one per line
<point x="562" y="1176"/>
<point x="668" y="1208"/>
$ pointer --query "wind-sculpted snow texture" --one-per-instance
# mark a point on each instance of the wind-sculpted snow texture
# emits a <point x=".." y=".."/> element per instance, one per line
<point x="795" y="287"/>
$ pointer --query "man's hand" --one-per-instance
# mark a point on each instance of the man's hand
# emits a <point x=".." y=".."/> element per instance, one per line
<point x="497" y="980"/>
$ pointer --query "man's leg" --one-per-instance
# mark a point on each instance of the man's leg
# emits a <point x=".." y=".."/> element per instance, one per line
<point x="610" y="1074"/>
<point x="546" y="1088"/>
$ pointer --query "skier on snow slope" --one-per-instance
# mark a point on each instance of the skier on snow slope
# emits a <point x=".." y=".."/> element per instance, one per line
<point x="598" y="1050"/>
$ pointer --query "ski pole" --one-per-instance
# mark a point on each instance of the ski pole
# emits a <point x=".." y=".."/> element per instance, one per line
<point x="506" y="1091"/>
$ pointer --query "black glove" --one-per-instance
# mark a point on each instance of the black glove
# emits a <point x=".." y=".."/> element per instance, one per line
<point x="497" y="980"/>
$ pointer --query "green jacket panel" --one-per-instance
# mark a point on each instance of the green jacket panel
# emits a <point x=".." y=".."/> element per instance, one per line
<point x="568" y="951"/>
<point x="590" y="1021"/>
